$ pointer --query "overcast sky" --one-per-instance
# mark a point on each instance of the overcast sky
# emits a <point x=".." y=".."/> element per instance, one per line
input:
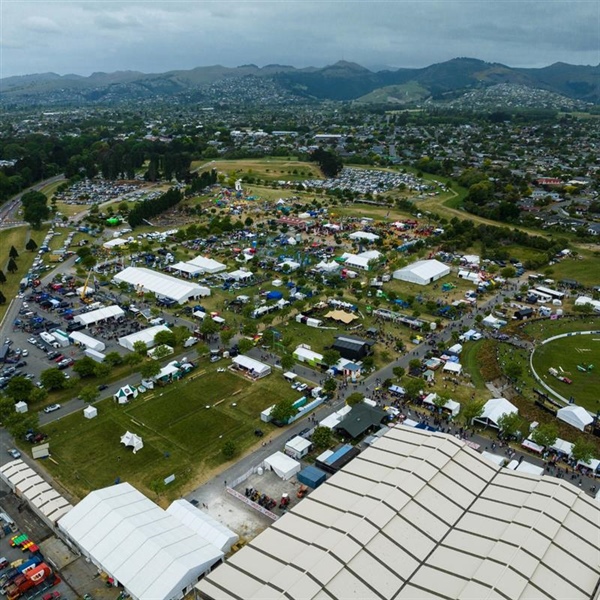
<point x="106" y="35"/>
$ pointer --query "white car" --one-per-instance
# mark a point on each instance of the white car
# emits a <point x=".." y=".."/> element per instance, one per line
<point x="302" y="387"/>
<point x="32" y="340"/>
<point x="25" y="352"/>
<point x="51" y="408"/>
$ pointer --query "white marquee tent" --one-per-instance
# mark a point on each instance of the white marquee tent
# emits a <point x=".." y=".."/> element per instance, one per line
<point x="283" y="466"/>
<point x="254" y="367"/>
<point x="208" y="265"/>
<point x="423" y="272"/>
<point x="133" y="440"/>
<point x="152" y="554"/>
<point x="575" y="415"/>
<point x="102" y="314"/>
<point x="145" y="335"/>
<point x="203" y="524"/>
<point x="161" y="285"/>
<point x="494" y="409"/>
<point x="85" y="340"/>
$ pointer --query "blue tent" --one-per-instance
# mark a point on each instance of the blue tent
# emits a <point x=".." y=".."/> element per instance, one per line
<point x="274" y="295"/>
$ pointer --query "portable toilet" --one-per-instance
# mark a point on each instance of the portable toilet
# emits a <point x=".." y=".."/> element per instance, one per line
<point x="21" y="407"/>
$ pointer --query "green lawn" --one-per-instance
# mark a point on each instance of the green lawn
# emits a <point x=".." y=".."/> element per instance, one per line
<point x="181" y="436"/>
<point x="566" y="354"/>
<point x="584" y="269"/>
<point x="17" y="237"/>
<point x="468" y="359"/>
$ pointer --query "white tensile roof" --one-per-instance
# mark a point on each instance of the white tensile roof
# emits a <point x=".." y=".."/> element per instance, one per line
<point x="421" y="515"/>
<point x="208" y="265"/>
<point x="145" y="335"/>
<point x="185" y="267"/>
<point x="203" y="524"/>
<point x="575" y="415"/>
<point x="495" y="408"/>
<point x="161" y="284"/>
<point x="150" y="552"/>
<point x="251" y="364"/>
<point x="108" y="312"/>
<point x="422" y="272"/>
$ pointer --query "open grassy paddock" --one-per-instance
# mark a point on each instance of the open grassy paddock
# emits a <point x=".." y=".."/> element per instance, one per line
<point x="583" y="268"/>
<point x="183" y="426"/>
<point x="565" y="354"/>
<point x="273" y="169"/>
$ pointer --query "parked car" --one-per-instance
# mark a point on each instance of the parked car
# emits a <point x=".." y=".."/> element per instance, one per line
<point x="3" y="563"/>
<point x="32" y="340"/>
<point x="102" y="387"/>
<point x="25" y="353"/>
<point x="14" y="453"/>
<point x="51" y="408"/>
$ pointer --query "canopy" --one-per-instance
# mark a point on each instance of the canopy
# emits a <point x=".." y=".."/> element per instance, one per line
<point x="494" y="409"/>
<point x="284" y="466"/>
<point x="341" y="315"/>
<point x="453" y="367"/>
<point x="109" y="312"/>
<point x="575" y="415"/>
<point x="133" y="440"/>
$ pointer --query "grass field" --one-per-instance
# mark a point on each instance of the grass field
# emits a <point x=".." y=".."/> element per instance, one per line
<point x="584" y="269"/>
<point x="183" y="426"/>
<point x="273" y="169"/>
<point x="17" y="237"/>
<point x="564" y="355"/>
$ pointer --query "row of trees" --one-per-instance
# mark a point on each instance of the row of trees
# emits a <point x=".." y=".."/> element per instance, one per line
<point x="329" y="163"/>
<point x="150" y="208"/>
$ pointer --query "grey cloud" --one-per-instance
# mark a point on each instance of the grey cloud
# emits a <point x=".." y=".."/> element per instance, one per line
<point x="163" y="35"/>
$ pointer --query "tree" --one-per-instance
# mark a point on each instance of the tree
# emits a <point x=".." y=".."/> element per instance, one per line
<point x="368" y="363"/>
<point x="321" y="437"/>
<point x="412" y="388"/>
<point x="330" y="386"/>
<point x="283" y="411"/>
<point x="102" y="370"/>
<point x="244" y="345"/>
<point x="471" y="409"/>
<point x="2" y="298"/>
<point x="13" y="252"/>
<point x="545" y="434"/>
<point x="399" y="372"/>
<point x="85" y="367"/>
<point x="229" y="450"/>
<point x="227" y="336"/>
<point x="2" y="277"/>
<point x="202" y="350"/>
<point x="508" y="272"/>
<point x="89" y="393"/>
<point x="161" y="351"/>
<point x="512" y="425"/>
<point x="513" y="370"/>
<point x="35" y="208"/>
<point x="150" y="368"/>
<point x="38" y="395"/>
<point x="165" y="337"/>
<point x="288" y="361"/>
<point x="583" y="450"/>
<point x="440" y="401"/>
<point x="414" y="364"/>
<point x="114" y="359"/>
<point x="31" y="245"/>
<point x="140" y="348"/>
<point x="19" y="389"/>
<point x="208" y="327"/>
<point x="53" y="379"/>
<point x="354" y="398"/>
<point x="133" y="359"/>
<point x="12" y="266"/>
<point x="331" y="357"/>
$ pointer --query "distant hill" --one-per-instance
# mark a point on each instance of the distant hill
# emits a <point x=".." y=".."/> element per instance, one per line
<point x="341" y="81"/>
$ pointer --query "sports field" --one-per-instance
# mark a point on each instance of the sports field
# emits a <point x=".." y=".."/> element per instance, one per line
<point x="183" y="426"/>
<point x="566" y="355"/>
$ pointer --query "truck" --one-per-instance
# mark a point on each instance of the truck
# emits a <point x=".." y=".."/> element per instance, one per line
<point x="55" y="258"/>
<point x="34" y="577"/>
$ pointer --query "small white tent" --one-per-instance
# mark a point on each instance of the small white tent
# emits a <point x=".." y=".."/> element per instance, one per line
<point x="131" y="439"/>
<point x="125" y="394"/>
<point x="89" y="412"/>
<point x="575" y="415"/>
<point x="284" y="466"/>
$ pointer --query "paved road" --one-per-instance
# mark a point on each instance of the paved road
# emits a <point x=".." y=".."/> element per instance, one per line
<point x="9" y="210"/>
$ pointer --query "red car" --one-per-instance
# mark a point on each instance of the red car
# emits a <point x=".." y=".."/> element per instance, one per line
<point x="59" y="358"/>
<point x="51" y="596"/>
